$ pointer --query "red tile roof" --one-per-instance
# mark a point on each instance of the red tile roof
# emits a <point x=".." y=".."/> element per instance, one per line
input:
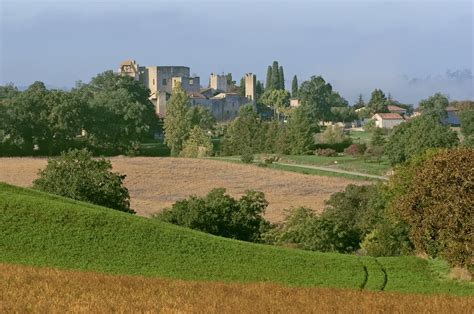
<point x="390" y="116"/>
<point x="395" y="108"/>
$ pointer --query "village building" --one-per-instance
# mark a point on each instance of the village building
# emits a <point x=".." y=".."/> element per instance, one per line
<point x="387" y="120"/>
<point x="294" y="102"/>
<point x="162" y="79"/>
<point x="452" y="117"/>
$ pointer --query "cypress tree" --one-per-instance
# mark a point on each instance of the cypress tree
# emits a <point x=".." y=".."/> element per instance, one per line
<point x="275" y="76"/>
<point x="360" y="102"/>
<point x="294" y="87"/>
<point x="242" y="87"/>
<point x="282" y="78"/>
<point x="258" y="89"/>
<point x="268" y="82"/>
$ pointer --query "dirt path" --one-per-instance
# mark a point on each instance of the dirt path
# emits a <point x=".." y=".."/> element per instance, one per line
<point x="359" y="174"/>
<point x="156" y="183"/>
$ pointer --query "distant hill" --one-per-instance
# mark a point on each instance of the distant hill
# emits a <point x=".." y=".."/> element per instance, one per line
<point x="46" y="230"/>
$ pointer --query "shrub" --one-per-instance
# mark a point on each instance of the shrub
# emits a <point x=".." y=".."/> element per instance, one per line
<point x="220" y="214"/>
<point x="304" y="229"/>
<point x="75" y="174"/>
<point x="375" y="152"/>
<point x="355" y="149"/>
<point x="389" y="238"/>
<point x="338" y="147"/>
<point x="378" y="137"/>
<point x="369" y="126"/>
<point x="247" y="158"/>
<point x="325" y="152"/>
<point x="333" y="134"/>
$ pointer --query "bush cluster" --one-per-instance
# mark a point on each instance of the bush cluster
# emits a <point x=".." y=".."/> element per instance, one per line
<point x="325" y="152"/>
<point x="220" y="214"/>
<point x="75" y="174"/>
<point x="355" y="149"/>
<point x="353" y="219"/>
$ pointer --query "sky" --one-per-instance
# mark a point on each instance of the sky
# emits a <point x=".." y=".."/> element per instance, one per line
<point x="410" y="49"/>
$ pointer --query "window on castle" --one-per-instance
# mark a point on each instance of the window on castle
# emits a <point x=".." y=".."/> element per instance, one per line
<point x="164" y="81"/>
<point x="153" y="81"/>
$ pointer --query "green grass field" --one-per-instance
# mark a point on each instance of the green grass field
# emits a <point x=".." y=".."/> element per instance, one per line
<point x="45" y="230"/>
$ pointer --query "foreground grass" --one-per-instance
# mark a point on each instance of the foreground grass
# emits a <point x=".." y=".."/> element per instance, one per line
<point x="33" y="289"/>
<point x="45" y="230"/>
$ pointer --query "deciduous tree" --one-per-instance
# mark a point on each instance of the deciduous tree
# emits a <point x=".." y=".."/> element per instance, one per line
<point x="177" y="123"/>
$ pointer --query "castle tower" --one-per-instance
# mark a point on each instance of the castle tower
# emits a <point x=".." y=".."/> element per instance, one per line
<point x="250" y="83"/>
<point x="218" y="82"/>
<point x="130" y="68"/>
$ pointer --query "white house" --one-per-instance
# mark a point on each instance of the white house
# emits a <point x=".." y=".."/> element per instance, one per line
<point x="387" y="120"/>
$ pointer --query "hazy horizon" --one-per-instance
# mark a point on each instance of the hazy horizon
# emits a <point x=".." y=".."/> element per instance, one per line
<point x="408" y="49"/>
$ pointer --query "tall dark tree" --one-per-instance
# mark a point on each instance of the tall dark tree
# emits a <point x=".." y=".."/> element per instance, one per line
<point x="275" y="76"/>
<point x="242" y="87"/>
<point x="268" y="82"/>
<point x="294" y="87"/>
<point x="258" y="89"/>
<point x="360" y="102"/>
<point x="282" y="77"/>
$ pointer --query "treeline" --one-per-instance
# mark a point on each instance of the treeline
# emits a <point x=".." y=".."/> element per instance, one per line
<point x="109" y="115"/>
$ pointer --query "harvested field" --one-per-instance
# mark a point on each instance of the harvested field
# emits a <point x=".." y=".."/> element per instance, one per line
<point x="156" y="183"/>
<point x="32" y="289"/>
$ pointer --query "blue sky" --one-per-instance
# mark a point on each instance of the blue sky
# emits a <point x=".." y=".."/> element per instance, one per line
<point x="403" y="47"/>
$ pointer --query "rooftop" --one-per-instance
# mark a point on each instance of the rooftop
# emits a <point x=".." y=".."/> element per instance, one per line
<point x="395" y="108"/>
<point x="390" y="116"/>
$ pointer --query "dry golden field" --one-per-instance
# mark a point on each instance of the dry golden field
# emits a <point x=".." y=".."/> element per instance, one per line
<point x="32" y="289"/>
<point x="155" y="183"/>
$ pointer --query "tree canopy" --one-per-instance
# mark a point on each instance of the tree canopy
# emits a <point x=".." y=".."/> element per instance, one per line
<point x="416" y="136"/>
<point x="177" y="124"/>
<point x="315" y="95"/>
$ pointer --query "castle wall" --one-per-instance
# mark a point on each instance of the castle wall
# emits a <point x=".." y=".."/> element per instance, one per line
<point x="218" y="82"/>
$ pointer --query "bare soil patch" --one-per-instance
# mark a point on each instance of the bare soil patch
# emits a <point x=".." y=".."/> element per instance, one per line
<point x="155" y="183"/>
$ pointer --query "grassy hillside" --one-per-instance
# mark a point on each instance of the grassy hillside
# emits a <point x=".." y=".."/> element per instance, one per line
<point x="45" y="230"/>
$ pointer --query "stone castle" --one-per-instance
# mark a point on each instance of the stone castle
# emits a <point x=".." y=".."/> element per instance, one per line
<point x="161" y="80"/>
